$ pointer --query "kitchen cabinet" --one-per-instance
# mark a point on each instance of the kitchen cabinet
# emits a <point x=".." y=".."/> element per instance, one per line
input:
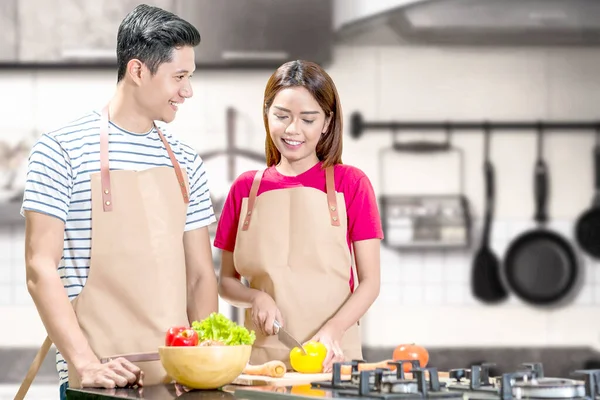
<point x="64" y="31"/>
<point x="260" y="33"/>
<point x="8" y="30"/>
<point x="239" y="34"/>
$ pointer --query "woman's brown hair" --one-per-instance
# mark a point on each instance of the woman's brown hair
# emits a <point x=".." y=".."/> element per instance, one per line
<point x="320" y="85"/>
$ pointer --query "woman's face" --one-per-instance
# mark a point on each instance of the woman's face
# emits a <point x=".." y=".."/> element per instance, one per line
<point x="296" y="123"/>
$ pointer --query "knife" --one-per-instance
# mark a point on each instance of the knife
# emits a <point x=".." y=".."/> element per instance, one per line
<point x="286" y="338"/>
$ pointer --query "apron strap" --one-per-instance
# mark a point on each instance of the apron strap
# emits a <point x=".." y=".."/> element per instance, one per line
<point x="331" y="196"/>
<point x="186" y="198"/>
<point x="105" y="171"/>
<point x="252" y="198"/>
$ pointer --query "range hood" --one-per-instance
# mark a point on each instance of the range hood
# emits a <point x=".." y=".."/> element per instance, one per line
<point x="480" y="22"/>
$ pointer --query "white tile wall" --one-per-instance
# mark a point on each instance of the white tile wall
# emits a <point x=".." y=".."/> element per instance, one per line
<point x="12" y="270"/>
<point x="440" y="277"/>
<point x="427" y="298"/>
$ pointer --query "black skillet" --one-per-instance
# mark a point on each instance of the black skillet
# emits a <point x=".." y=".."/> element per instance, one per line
<point x="587" y="228"/>
<point x="541" y="266"/>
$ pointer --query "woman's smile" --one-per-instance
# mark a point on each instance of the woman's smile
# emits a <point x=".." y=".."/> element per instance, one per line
<point x="292" y="144"/>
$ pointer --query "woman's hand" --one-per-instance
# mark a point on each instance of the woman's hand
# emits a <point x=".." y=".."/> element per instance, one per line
<point x="331" y="337"/>
<point x="264" y="313"/>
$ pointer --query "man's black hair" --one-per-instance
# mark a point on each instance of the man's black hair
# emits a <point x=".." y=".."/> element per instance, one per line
<point x="150" y="34"/>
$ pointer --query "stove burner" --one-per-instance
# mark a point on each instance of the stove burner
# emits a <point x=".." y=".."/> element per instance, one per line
<point x="528" y="382"/>
<point x="385" y="384"/>
<point x="387" y="374"/>
<point x="591" y="382"/>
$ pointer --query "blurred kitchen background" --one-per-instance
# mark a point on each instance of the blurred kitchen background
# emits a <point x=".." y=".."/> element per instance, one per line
<point x="394" y="62"/>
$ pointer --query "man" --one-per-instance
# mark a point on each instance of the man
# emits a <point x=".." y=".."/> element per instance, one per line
<point x="131" y="245"/>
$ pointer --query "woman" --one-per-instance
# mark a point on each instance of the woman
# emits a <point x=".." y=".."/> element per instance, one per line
<point x="289" y="230"/>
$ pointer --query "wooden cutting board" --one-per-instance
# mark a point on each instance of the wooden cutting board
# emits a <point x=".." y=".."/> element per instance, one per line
<point x="296" y="378"/>
<point x="289" y="379"/>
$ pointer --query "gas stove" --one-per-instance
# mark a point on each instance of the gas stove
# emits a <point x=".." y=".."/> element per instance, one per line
<point x="388" y="384"/>
<point x="475" y="383"/>
<point x="527" y="382"/>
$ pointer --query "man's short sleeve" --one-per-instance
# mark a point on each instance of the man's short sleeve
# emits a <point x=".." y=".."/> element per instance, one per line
<point x="200" y="209"/>
<point x="49" y="179"/>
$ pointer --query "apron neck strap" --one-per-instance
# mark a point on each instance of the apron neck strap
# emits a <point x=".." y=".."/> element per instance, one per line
<point x="331" y="197"/>
<point x="252" y="197"/>
<point x="105" y="170"/>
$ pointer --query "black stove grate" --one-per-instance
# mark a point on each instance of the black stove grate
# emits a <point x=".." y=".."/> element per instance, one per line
<point x="386" y="384"/>
<point x="472" y="384"/>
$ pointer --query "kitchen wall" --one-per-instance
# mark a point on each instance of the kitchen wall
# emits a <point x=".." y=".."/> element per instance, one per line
<point x="425" y="297"/>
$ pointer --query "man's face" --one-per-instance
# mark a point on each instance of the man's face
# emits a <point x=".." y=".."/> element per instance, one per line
<point x="161" y="94"/>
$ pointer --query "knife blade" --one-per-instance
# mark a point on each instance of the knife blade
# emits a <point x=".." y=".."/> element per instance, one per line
<point x="287" y="339"/>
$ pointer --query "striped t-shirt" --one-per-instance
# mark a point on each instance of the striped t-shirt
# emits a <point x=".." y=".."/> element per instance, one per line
<point x="58" y="184"/>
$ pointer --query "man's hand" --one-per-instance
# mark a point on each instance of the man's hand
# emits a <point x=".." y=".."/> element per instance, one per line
<point x="115" y="373"/>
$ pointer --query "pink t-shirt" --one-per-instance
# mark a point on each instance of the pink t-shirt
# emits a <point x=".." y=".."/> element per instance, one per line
<point x="364" y="221"/>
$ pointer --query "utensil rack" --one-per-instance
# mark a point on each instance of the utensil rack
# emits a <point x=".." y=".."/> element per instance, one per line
<point x="231" y="150"/>
<point x="358" y="125"/>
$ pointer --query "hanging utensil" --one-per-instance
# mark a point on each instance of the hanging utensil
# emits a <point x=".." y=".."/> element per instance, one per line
<point x="587" y="228"/>
<point x="425" y="221"/>
<point x="231" y="151"/>
<point x="541" y="267"/>
<point x="486" y="282"/>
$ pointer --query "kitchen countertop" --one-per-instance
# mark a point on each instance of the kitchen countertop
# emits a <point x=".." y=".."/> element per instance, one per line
<point x="158" y="392"/>
<point x="228" y="392"/>
<point x="173" y="391"/>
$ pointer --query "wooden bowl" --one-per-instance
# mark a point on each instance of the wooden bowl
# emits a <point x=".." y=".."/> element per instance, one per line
<point x="204" y="367"/>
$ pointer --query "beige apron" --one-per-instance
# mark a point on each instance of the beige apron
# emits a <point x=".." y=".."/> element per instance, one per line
<point x="136" y="287"/>
<point x="291" y="243"/>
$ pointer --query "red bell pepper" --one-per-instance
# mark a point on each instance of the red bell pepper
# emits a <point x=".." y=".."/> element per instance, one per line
<point x="181" y="336"/>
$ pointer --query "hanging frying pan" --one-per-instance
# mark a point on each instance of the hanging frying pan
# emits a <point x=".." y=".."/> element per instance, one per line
<point x="587" y="228"/>
<point x="541" y="266"/>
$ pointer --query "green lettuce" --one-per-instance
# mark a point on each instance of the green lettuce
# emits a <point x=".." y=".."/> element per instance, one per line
<point x="220" y="328"/>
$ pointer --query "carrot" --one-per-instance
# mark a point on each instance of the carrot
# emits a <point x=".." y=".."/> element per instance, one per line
<point x="347" y="369"/>
<point x="274" y="369"/>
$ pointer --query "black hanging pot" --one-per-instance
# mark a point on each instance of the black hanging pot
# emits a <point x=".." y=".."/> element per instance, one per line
<point x="540" y="266"/>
